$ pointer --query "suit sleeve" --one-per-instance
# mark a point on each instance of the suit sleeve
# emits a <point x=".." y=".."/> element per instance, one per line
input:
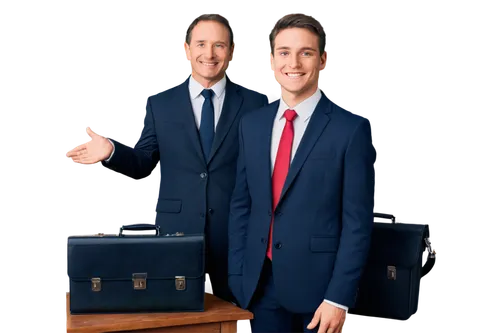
<point x="137" y="162"/>
<point x="357" y="217"/>
<point x="239" y="212"/>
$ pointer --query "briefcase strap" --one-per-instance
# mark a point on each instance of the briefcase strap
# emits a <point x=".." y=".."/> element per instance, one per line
<point x="431" y="258"/>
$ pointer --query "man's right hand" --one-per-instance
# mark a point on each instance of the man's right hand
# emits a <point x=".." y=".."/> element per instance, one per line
<point x="96" y="150"/>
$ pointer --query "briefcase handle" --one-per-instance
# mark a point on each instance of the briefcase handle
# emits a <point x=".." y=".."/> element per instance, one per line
<point x="140" y="227"/>
<point x="383" y="216"/>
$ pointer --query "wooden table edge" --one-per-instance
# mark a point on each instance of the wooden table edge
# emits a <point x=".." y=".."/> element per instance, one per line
<point x="246" y="315"/>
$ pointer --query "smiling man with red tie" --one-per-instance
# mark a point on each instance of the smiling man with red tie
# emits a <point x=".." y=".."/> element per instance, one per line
<point x="301" y="213"/>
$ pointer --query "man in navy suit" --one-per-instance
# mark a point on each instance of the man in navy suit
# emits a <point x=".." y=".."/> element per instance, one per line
<point x="302" y="209"/>
<point x="192" y="129"/>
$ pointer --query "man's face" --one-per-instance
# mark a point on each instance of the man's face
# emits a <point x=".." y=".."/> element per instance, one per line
<point x="209" y="52"/>
<point x="296" y="62"/>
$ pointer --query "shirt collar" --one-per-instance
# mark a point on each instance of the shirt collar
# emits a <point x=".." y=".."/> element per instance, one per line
<point x="195" y="88"/>
<point x="304" y="109"/>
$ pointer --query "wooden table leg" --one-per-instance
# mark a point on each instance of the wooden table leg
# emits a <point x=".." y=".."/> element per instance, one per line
<point x="228" y="327"/>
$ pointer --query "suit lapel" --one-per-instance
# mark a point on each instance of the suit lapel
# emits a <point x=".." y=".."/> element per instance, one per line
<point x="317" y="124"/>
<point x="230" y="108"/>
<point x="186" y="116"/>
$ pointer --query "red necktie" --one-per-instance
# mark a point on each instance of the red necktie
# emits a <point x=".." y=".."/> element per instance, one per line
<point x="281" y="166"/>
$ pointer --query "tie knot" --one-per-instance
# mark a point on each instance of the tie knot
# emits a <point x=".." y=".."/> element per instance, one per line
<point x="207" y="93"/>
<point x="290" y="115"/>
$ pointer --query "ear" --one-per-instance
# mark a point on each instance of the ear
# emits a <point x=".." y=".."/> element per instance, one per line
<point x="270" y="60"/>
<point x="232" y="53"/>
<point x="322" y="61"/>
<point x="234" y="47"/>
<point x="188" y="51"/>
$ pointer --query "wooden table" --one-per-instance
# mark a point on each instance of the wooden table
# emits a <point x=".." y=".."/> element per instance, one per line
<point x="219" y="317"/>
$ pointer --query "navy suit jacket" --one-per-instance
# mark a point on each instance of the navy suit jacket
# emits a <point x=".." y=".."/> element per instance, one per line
<point x="192" y="191"/>
<point x="323" y="221"/>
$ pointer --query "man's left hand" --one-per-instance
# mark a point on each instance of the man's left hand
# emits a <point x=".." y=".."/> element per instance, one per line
<point x="329" y="317"/>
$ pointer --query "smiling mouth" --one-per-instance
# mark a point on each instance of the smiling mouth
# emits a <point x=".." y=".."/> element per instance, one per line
<point x="294" y="75"/>
<point x="209" y="64"/>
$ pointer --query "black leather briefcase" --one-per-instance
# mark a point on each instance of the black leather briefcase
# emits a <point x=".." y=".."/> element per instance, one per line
<point x="390" y="284"/>
<point x="136" y="273"/>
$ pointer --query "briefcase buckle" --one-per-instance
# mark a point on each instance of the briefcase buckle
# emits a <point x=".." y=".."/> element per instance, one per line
<point x="431" y="250"/>
<point x="139" y="280"/>
<point x="180" y="283"/>
<point x="96" y="284"/>
<point x="391" y="272"/>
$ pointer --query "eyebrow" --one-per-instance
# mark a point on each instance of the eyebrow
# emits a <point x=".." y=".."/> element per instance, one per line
<point x="216" y="42"/>
<point x="302" y="49"/>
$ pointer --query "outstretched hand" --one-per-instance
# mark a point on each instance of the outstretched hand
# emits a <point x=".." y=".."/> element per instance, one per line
<point x="97" y="149"/>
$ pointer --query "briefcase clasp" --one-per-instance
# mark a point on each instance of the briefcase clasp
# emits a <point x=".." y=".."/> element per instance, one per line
<point x="391" y="272"/>
<point x="139" y="280"/>
<point x="96" y="284"/>
<point x="180" y="283"/>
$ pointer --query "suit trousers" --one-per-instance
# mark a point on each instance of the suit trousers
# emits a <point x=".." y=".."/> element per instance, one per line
<point x="218" y="277"/>
<point x="269" y="315"/>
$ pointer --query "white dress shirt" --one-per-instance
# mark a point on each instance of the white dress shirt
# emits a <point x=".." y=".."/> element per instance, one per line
<point x="197" y="99"/>
<point x="304" y="112"/>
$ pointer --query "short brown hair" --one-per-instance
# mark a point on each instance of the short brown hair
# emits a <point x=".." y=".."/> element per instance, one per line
<point x="299" y="21"/>
<point x="210" y="17"/>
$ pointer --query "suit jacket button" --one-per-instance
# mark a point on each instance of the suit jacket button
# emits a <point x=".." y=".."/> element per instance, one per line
<point x="277" y="246"/>
<point x="210" y="211"/>
<point x="202" y="215"/>
<point x="270" y="213"/>
<point x="203" y="175"/>
<point x="263" y="240"/>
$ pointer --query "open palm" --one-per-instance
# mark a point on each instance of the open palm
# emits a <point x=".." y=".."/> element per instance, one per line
<point x="97" y="149"/>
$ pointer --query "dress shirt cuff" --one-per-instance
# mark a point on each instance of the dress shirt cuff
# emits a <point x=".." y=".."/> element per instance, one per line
<point x="337" y="305"/>
<point x="109" y="158"/>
